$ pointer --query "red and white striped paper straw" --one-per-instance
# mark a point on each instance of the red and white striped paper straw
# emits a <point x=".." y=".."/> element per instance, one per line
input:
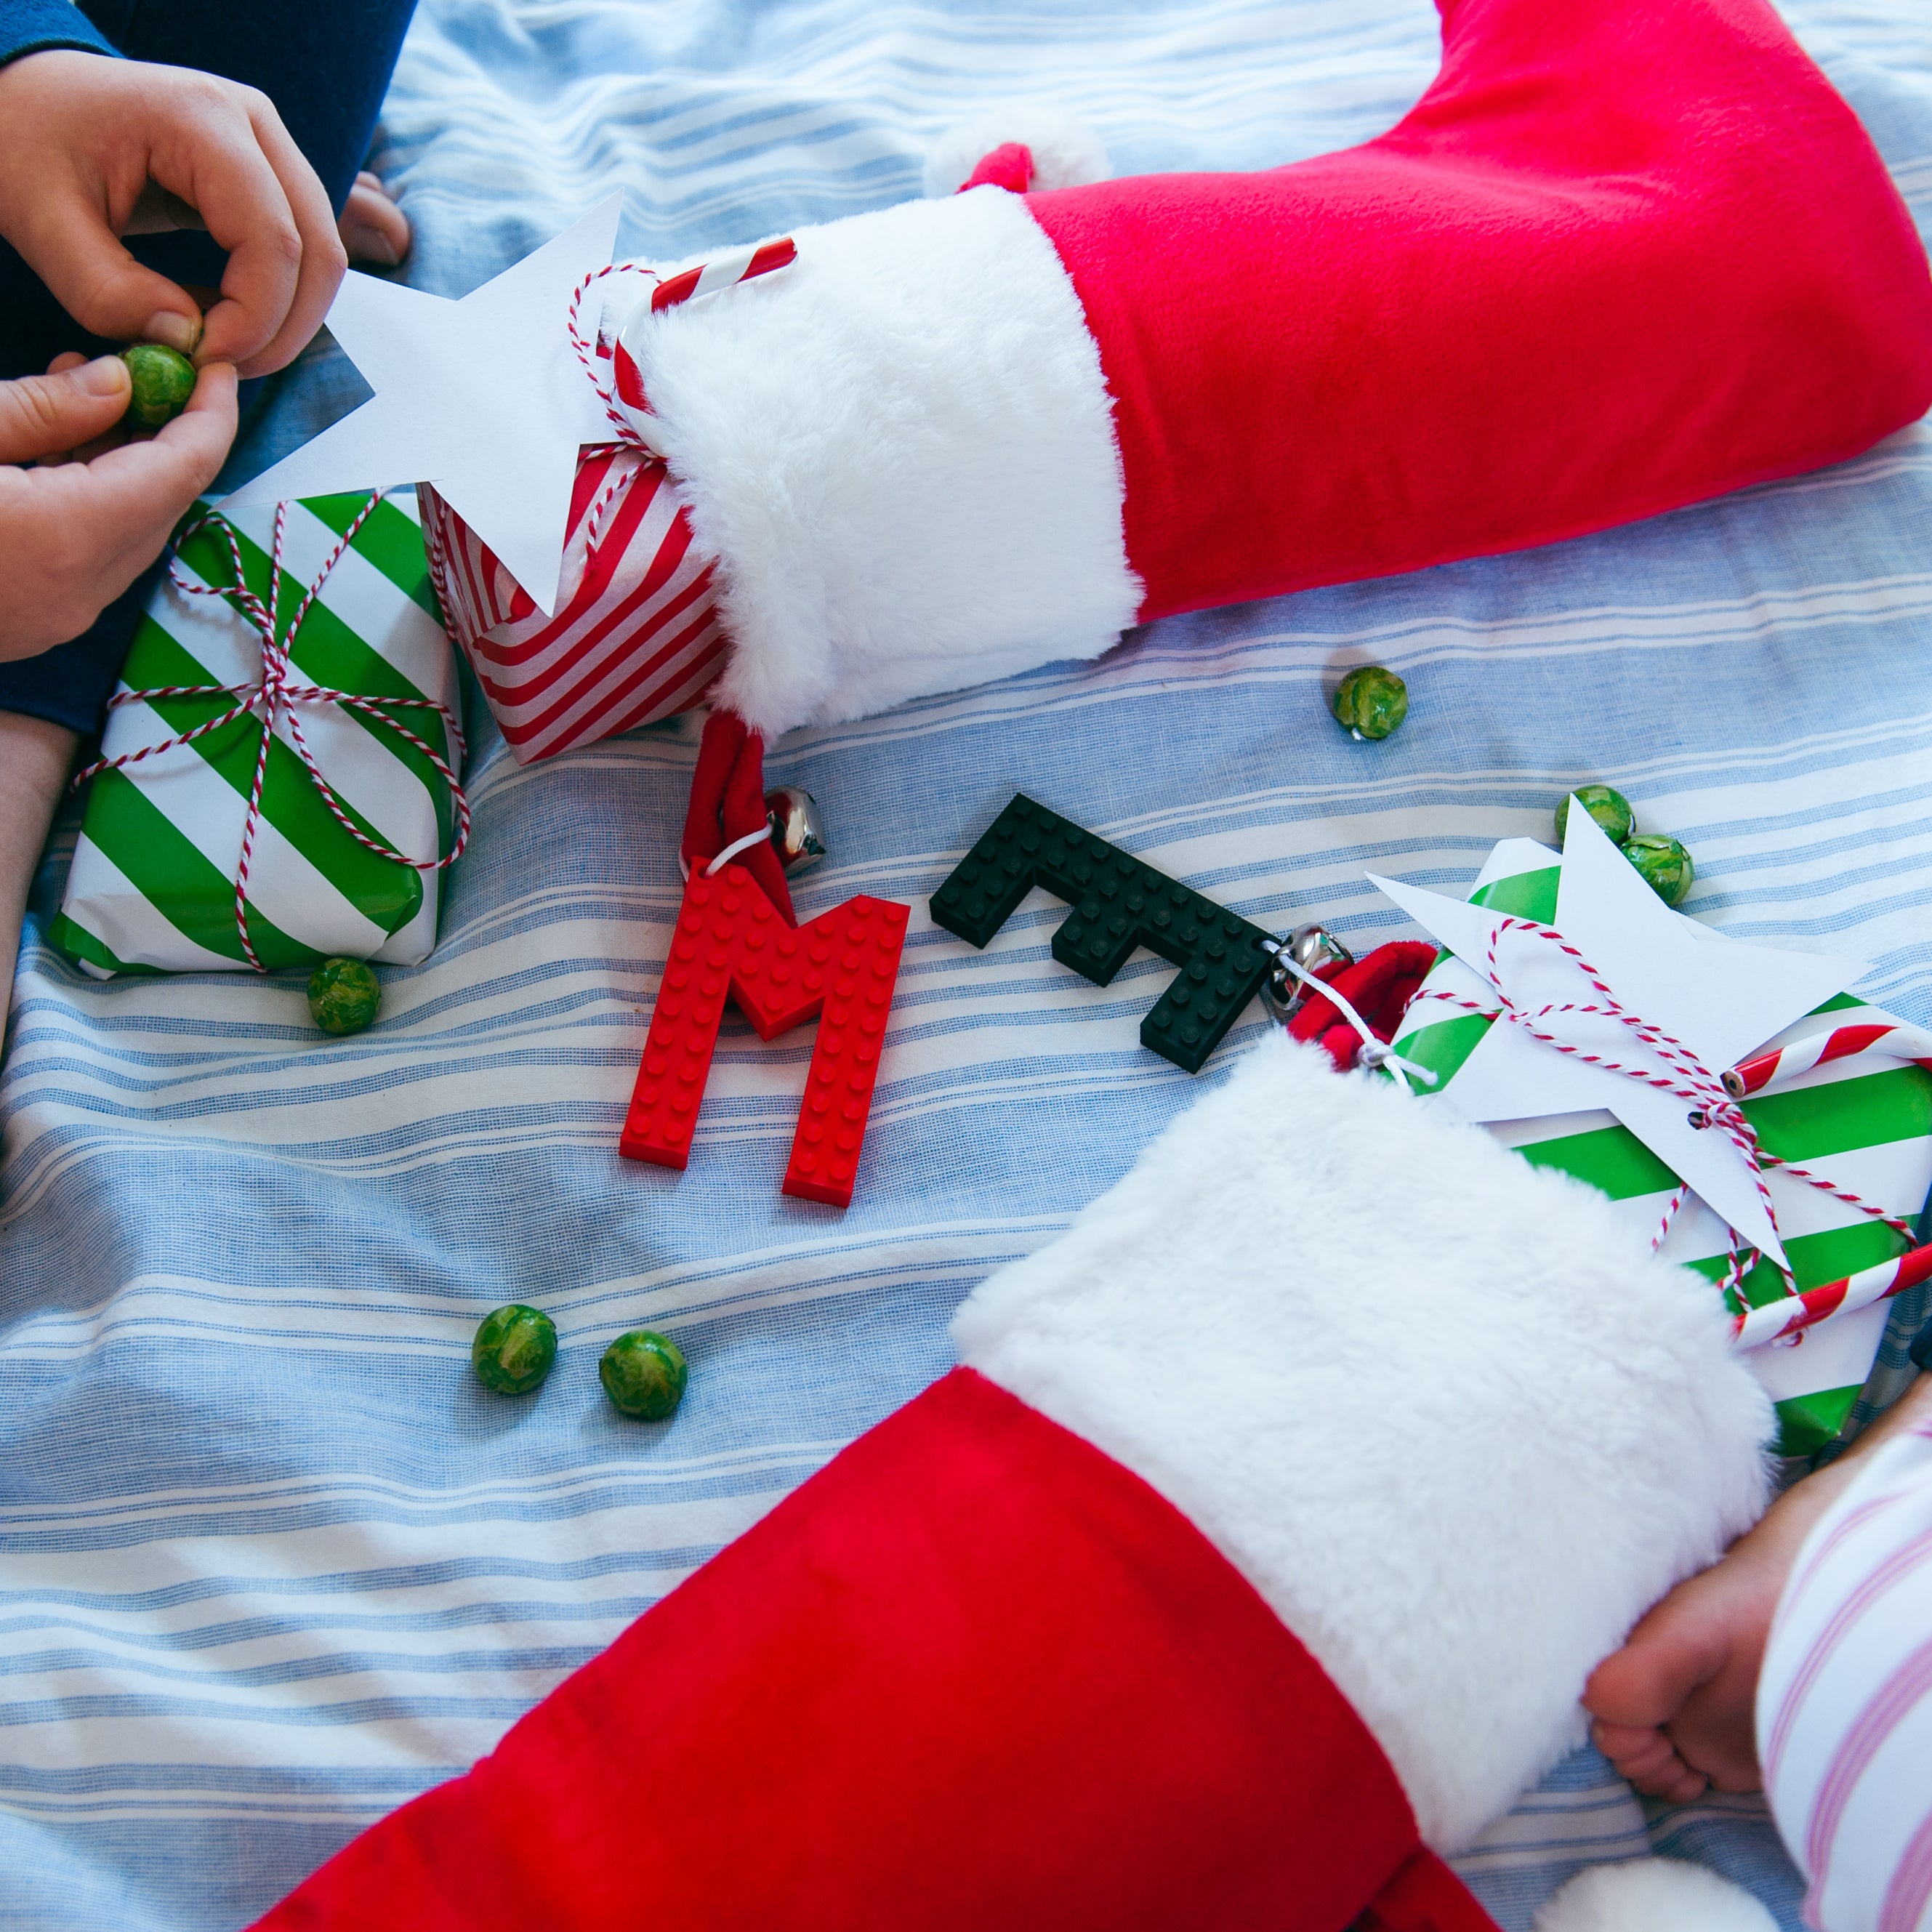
<point x="1846" y="1043"/>
<point x="628" y="408"/>
<point x="741" y="264"/>
<point x="1793" y="1312"/>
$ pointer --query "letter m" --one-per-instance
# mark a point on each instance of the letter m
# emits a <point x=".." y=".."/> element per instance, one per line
<point x="730" y="943"/>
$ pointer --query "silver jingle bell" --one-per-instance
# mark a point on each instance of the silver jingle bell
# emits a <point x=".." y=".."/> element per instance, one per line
<point x="1311" y="947"/>
<point x="797" y="831"/>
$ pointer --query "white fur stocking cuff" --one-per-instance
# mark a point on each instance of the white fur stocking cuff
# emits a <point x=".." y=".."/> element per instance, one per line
<point x="1443" y="1409"/>
<point x="900" y="451"/>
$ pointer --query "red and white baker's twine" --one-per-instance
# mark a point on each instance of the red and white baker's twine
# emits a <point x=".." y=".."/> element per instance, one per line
<point x="1670" y="1208"/>
<point x="589" y="355"/>
<point x="741" y="264"/>
<point x="275" y="695"/>
<point x="1714" y="1100"/>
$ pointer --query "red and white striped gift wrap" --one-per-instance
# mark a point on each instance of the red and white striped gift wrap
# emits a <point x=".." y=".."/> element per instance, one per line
<point x="634" y="636"/>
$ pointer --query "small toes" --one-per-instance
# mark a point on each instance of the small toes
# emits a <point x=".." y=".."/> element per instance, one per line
<point x="1649" y="1755"/>
<point x="1648" y="1758"/>
<point x="373" y="228"/>
<point x="1661" y="1773"/>
<point x="1680" y="1787"/>
<point x="1620" y="1742"/>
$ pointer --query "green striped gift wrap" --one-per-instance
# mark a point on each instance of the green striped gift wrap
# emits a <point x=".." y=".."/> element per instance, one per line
<point x="153" y="882"/>
<point x="1865" y="1124"/>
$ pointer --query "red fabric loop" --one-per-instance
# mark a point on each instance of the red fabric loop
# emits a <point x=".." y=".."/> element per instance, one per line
<point x="728" y="801"/>
<point x="1378" y="987"/>
<point x="1009" y="165"/>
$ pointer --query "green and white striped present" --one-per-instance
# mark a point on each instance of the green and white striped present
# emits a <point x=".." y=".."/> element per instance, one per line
<point x="1863" y="1123"/>
<point x="153" y="882"/>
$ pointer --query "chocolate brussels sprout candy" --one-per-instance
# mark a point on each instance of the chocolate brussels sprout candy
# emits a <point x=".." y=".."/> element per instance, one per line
<point x="1606" y="805"/>
<point x="643" y="1373"/>
<point x="514" y="1348"/>
<point x="343" y="995"/>
<point x="162" y="379"/>
<point x="1665" y="865"/>
<point x="1371" y="701"/>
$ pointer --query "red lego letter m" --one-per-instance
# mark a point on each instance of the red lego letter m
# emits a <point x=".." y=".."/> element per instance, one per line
<point x="729" y="942"/>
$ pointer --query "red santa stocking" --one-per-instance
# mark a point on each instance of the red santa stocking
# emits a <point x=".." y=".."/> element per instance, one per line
<point x="1256" y="1557"/>
<point x="1620" y="257"/>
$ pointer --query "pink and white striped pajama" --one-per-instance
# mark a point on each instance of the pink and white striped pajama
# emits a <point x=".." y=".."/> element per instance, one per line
<point x="1844" y="1703"/>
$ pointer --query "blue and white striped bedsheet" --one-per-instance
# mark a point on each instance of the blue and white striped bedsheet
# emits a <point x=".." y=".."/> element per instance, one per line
<point x="270" y="1562"/>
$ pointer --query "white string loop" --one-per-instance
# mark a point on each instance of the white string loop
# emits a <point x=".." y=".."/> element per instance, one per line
<point x="1375" y="1051"/>
<point x="716" y="865"/>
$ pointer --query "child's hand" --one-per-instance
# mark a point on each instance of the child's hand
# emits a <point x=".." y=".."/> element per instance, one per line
<point x="92" y="148"/>
<point x="73" y="534"/>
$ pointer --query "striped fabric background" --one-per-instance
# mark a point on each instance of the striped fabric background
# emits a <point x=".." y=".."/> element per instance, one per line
<point x="270" y="1560"/>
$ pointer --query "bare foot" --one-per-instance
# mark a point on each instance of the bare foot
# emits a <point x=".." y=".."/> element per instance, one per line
<point x="373" y="228"/>
<point x="1674" y="1707"/>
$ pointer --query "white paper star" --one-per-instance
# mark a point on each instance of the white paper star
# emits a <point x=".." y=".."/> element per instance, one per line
<point x="1719" y="996"/>
<point x="485" y="397"/>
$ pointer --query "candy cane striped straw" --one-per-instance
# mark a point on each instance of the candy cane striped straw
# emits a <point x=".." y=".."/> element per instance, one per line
<point x="742" y="264"/>
<point x="1845" y="1042"/>
<point x="633" y="424"/>
<point x="1757" y="1326"/>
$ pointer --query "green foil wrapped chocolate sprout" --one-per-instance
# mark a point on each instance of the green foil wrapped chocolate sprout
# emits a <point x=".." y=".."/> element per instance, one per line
<point x="1665" y="865"/>
<point x="344" y="995"/>
<point x="1371" y="701"/>
<point x="1662" y="862"/>
<point x="514" y="1348"/>
<point x="644" y="1374"/>
<point x="1606" y="805"/>
<point x="161" y="379"/>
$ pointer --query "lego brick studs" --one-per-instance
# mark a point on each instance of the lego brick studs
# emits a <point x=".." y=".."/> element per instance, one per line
<point x="1118" y="903"/>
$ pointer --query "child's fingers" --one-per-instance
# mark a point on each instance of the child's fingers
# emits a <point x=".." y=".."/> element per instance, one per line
<point x="262" y="202"/>
<point x="68" y="359"/>
<point x="41" y="415"/>
<point x="148" y="484"/>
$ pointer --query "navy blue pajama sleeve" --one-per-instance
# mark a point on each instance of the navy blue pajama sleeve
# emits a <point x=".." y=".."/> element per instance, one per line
<point x="30" y="26"/>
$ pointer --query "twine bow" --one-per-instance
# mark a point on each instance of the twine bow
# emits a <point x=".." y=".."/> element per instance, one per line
<point x="1713" y="1106"/>
<point x="274" y="697"/>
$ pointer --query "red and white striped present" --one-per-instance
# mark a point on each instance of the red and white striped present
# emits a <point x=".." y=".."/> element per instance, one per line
<point x="634" y="636"/>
